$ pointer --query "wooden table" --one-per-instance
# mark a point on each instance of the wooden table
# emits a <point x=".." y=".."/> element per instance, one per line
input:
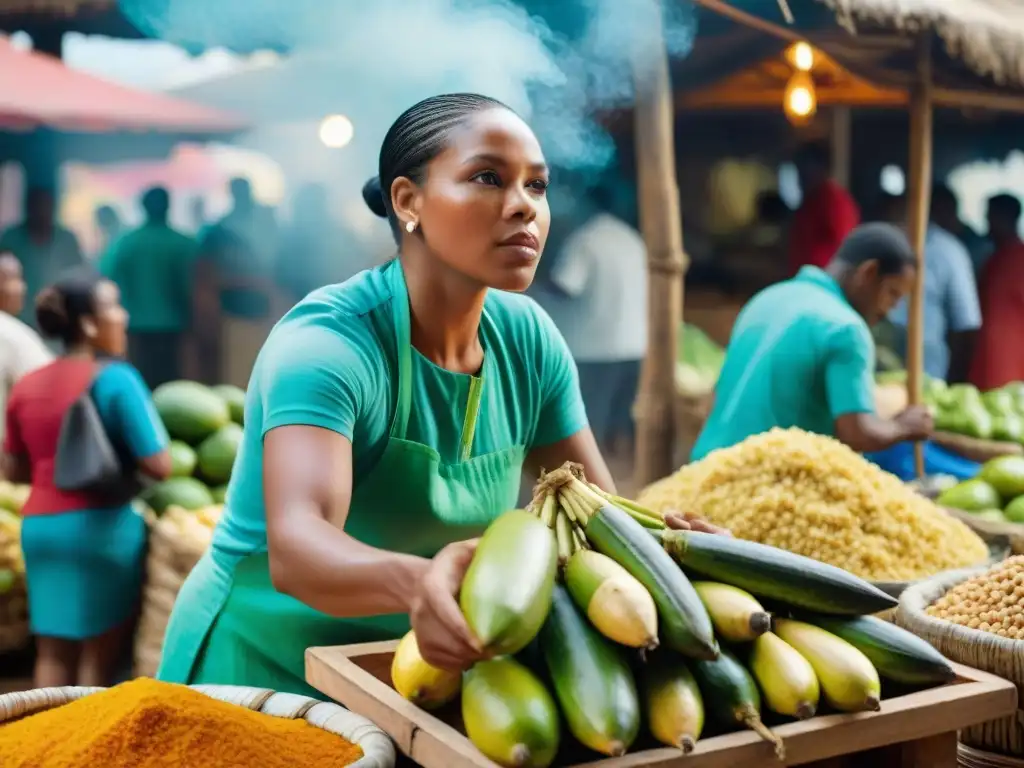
<point x="913" y="731"/>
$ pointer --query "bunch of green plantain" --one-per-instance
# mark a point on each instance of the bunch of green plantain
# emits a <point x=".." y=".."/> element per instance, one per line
<point x="634" y="624"/>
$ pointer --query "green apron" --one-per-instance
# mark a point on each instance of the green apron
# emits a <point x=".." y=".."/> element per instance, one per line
<point x="230" y="626"/>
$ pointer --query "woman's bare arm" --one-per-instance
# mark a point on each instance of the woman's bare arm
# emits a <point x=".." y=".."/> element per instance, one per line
<point x="158" y="466"/>
<point x="581" y="448"/>
<point x="15" y="469"/>
<point x="307" y="483"/>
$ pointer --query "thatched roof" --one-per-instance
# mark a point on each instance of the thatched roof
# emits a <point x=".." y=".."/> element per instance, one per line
<point x="53" y="7"/>
<point x="987" y="35"/>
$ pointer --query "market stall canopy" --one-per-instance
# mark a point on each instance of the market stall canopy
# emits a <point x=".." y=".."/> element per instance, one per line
<point x="38" y="91"/>
<point x="988" y="35"/>
<point x="764" y="85"/>
<point x="978" y="49"/>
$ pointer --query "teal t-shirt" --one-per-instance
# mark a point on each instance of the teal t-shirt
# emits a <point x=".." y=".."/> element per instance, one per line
<point x="799" y="356"/>
<point x="331" y="363"/>
<point x="152" y="265"/>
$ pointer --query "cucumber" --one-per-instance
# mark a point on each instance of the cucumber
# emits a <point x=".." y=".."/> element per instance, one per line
<point x="509" y="714"/>
<point x="591" y="678"/>
<point x="506" y="593"/>
<point x="894" y="652"/>
<point x="775" y="573"/>
<point x="730" y="696"/>
<point x="683" y="621"/>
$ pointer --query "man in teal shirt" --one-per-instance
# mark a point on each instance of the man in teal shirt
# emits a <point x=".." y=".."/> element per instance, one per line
<point x="152" y="265"/>
<point x="801" y="353"/>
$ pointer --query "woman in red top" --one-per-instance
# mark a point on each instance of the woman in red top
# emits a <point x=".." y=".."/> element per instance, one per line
<point x="83" y="558"/>
<point x="998" y="355"/>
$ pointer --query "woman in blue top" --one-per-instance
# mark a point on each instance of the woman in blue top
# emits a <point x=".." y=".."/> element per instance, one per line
<point x="389" y="419"/>
<point x="83" y="556"/>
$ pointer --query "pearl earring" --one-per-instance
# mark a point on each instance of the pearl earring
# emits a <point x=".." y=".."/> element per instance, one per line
<point x="410" y="227"/>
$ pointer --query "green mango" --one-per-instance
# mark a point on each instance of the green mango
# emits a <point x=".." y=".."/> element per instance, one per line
<point x="990" y="515"/>
<point x="947" y="420"/>
<point x="971" y="496"/>
<point x="977" y="422"/>
<point x="1014" y="512"/>
<point x="934" y="388"/>
<point x="999" y="402"/>
<point x="1005" y="474"/>
<point x="1008" y="427"/>
<point x="1015" y="388"/>
<point x="964" y="395"/>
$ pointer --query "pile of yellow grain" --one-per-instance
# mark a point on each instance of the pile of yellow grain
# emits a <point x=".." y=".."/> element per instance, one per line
<point x="814" y="496"/>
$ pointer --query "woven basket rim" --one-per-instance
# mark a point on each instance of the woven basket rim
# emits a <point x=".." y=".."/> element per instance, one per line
<point x="998" y="447"/>
<point x="915" y="600"/>
<point x="965" y="750"/>
<point x="378" y="749"/>
<point x="985" y="527"/>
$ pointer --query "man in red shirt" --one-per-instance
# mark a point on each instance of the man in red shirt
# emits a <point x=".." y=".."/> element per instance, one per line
<point x="998" y="354"/>
<point x="827" y="214"/>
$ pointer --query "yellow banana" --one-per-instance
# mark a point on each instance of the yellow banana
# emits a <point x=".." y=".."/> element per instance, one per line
<point x="618" y="605"/>
<point x="675" y="709"/>
<point x="847" y="677"/>
<point x="419" y="682"/>
<point x="735" y="613"/>
<point x="787" y="679"/>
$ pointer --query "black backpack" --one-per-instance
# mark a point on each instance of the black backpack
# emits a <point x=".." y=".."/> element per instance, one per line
<point x="88" y="461"/>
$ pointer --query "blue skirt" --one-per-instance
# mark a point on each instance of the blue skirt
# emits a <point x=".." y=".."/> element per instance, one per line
<point x="84" y="570"/>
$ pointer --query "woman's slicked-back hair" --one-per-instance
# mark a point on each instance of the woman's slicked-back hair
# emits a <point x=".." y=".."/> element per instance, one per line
<point x="418" y="136"/>
<point x="61" y="306"/>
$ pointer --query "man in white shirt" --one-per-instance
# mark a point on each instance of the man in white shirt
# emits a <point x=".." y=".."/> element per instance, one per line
<point x="602" y="269"/>
<point x="21" y="349"/>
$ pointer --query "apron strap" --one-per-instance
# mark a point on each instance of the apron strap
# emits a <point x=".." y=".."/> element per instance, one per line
<point x="403" y="347"/>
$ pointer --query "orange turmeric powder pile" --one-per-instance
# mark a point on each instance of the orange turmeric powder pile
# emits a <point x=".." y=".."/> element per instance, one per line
<point x="149" y="724"/>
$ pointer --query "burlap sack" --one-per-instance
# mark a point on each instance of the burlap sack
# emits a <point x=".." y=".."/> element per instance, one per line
<point x="176" y="542"/>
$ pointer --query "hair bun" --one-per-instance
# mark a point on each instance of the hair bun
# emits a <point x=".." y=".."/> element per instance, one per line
<point x="51" y="313"/>
<point x="373" y="196"/>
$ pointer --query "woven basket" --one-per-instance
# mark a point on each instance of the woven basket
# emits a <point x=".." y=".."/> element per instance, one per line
<point x="14" y="629"/>
<point x="378" y="749"/>
<point x="973" y="648"/>
<point x="968" y="757"/>
<point x="173" y="553"/>
<point x="974" y="449"/>
<point x="986" y="528"/>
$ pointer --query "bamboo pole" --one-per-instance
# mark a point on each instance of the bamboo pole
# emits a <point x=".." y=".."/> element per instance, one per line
<point x="662" y="228"/>
<point x="918" y="202"/>
<point x="841" y="142"/>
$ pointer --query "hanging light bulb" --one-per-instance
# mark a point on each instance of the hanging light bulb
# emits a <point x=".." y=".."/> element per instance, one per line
<point x="800" y="101"/>
<point x="801" y="56"/>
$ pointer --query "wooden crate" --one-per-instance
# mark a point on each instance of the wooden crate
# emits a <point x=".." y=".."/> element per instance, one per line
<point x="913" y="731"/>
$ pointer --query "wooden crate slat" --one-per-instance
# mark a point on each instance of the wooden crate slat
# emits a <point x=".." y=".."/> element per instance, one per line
<point x="917" y="730"/>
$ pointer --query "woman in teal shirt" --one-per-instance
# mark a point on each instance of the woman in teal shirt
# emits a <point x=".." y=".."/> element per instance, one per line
<point x="389" y="419"/>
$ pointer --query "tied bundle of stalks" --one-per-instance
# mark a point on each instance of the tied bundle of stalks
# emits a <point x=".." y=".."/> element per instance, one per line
<point x="565" y="502"/>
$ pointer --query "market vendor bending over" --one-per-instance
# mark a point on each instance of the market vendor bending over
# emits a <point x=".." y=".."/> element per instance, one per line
<point x="389" y="419"/>
<point x="801" y="353"/>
